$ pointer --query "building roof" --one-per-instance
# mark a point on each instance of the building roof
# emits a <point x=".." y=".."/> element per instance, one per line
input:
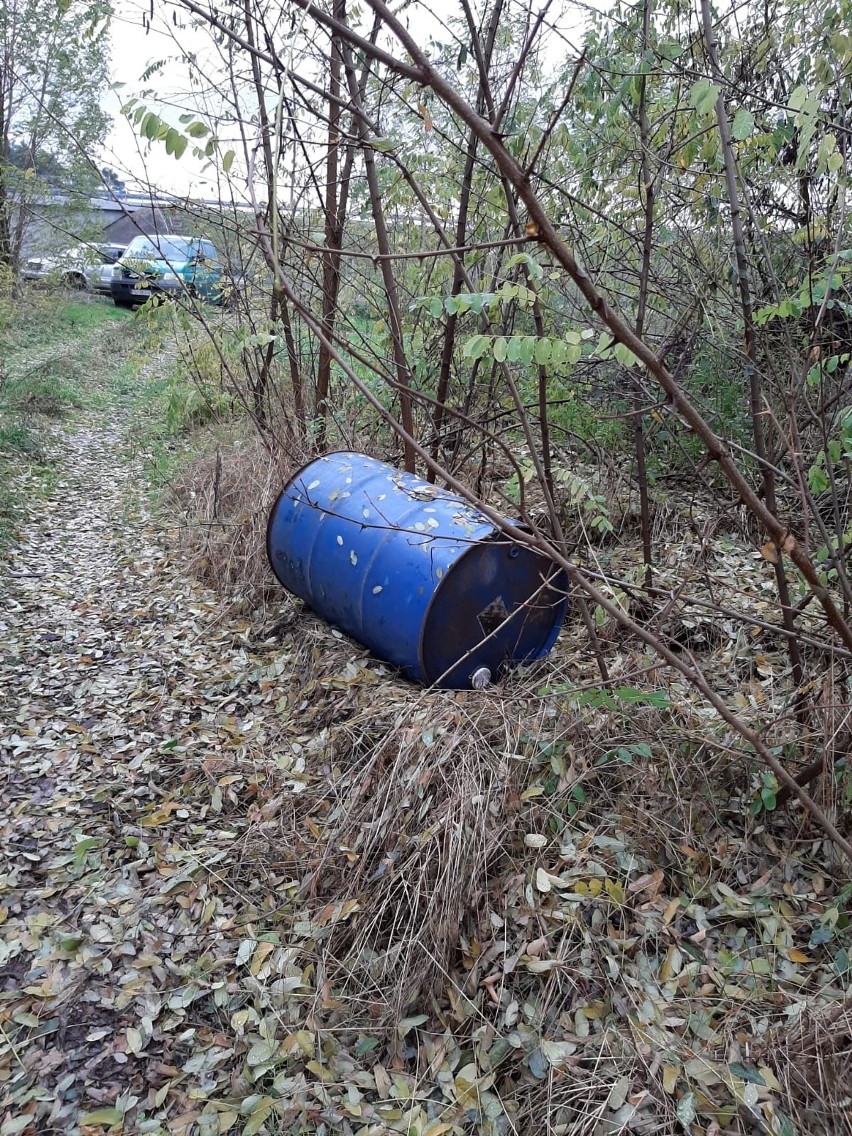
<point x="148" y="219"/>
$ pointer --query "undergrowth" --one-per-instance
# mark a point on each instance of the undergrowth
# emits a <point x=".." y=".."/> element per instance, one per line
<point x="570" y="901"/>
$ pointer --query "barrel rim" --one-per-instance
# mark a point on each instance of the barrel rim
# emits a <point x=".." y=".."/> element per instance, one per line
<point x="560" y="609"/>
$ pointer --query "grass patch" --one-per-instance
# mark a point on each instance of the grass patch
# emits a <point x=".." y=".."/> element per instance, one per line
<point x="180" y="394"/>
<point x="17" y="439"/>
<point x="57" y="356"/>
<point x="51" y="388"/>
<point x="42" y="320"/>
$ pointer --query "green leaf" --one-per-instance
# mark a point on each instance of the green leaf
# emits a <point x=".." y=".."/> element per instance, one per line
<point x="103" y="1116"/>
<point x="478" y="300"/>
<point x="262" y="1052"/>
<point x="259" y="1117"/>
<point x="228" y="161"/>
<point x="476" y="346"/>
<point x="743" y="125"/>
<point x="746" y="1073"/>
<point x="408" y="1024"/>
<point x="16" y="1124"/>
<point x="543" y="351"/>
<point x="197" y="130"/>
<point x="624" y="355"/>
<point x="501" y="349"/>
<point x="686" y="1109"/>
<point x="514" y="350"/>
<point x="436" y="307"/>
<point x="797" y="98"/>
<point x="703" y="95"/>
<point x="533" y="267"/>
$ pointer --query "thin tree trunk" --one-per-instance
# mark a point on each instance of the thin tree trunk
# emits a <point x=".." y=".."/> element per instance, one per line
<point x="387" y="270"/>
<point x="649" y="188"/>
<point x="278" y="303"/>
<point x="755" y="394"/>
<point x="332" y="252"/>
<point x="461" y="224"/>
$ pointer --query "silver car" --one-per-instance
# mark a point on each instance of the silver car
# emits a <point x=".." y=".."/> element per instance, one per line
<point x="84" y="267"/>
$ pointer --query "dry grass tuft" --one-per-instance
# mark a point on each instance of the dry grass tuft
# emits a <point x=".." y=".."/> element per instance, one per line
<point x="222" y="503"/>
<point x="418" y="830"/>
<point x="816" y="1070"/>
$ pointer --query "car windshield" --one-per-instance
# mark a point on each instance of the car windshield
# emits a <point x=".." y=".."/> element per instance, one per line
<point x="159" y="248"/>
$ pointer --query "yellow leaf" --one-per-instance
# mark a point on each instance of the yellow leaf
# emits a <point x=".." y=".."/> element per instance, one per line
<point x="541" y="966"/>
<point x="153" y="819"/>
<point x="669" y="1079"/>
<point x="594" y="1011"/>
<point x="769" y="552"/>
<point x="595" y="887"/>
<point x="466" y="1086"/>
<point x="103" y="1116"/>
<point x="320" y="1071"/>
<point x="670" y="911"/>
<point x="614" y="890"/>
<point x="737" y="992"/>
<point x="264" y="950"/>
<point x="769" y="1079"/>
<point x="672" y="964"/>
<point x="795" y="955"/>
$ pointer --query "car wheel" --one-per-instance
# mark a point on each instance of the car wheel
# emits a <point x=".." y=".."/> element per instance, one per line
<point x="122" y="303"/>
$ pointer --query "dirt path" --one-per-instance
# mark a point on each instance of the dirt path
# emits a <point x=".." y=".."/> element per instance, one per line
<point x="117" y="720"/>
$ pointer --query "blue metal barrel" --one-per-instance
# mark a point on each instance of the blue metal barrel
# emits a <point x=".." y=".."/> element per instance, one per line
<point x="413" y="572"/>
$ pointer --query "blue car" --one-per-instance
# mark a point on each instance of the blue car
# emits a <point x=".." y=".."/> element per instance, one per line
<point x="166" y="266"/>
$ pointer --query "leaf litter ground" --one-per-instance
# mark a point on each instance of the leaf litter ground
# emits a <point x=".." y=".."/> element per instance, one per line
<point x="253" y="883"/>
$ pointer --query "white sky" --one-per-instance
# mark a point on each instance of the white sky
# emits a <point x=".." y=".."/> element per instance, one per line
<point x="140" y="163"/>
<point x="134" y="159"/>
